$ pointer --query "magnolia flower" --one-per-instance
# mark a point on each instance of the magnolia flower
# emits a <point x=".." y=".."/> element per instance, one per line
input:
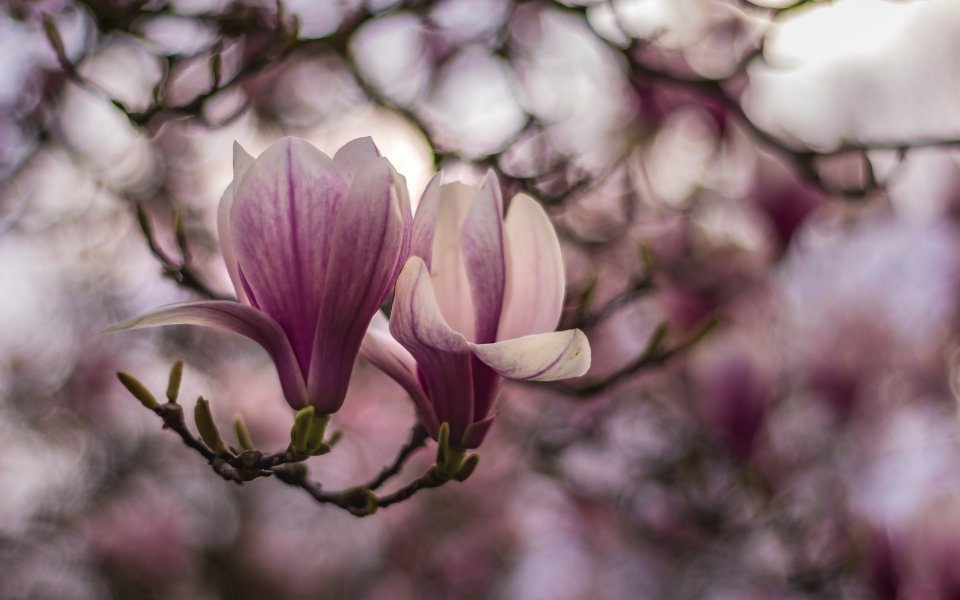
<point x="476" y="303"/>
<point x="313" y="247"/>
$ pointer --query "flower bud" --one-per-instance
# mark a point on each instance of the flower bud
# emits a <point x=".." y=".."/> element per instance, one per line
<point x="467" y="467"/>
<point x="443" y="444"/>
<point x="306" y="436"/>
<point x="207" y="428"/>
<point x="242" y="433"/>
<point x="138" y="390"/>
<point x="173" y="385"/>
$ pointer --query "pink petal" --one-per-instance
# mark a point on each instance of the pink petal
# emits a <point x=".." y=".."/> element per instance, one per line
<point x="442" y="354"/>
<point x="535" y="282"/>
<point x="447" y="268"/>
<point x="482" y="243"/>
<point x="538" y="357"/>
<point x="403" y="196"/>
<point x="367" y="246"/>
<point x="477" y="431"/>
<point x="241" y="163"/>
<point x="386" y="353"/>
<point x="236" y="318"/>
<point x="354" y="155"/>
<point x="282" y="223"/>
<point x="425" y="221"/>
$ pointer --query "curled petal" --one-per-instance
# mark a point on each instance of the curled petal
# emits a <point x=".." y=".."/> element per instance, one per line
<point x="241" y="163"/>
<point x="477" y="431"/>
<point x="442" y="354"/>
<point x="354" y="155"/>
<point x="389" y="356"/>
<point x="538" y="357"/>
<point x="236" y="318"/>
<point x="425" y="221"/>
<point x="282" y="223"/>
<point x="482" y="239"/>
<point x="535" y="282"/>
<point x="450" y="281"/>
<point x="403" y="201"/>
<point x="367" y="245"/>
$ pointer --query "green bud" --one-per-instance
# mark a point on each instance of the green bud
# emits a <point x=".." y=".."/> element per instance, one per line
<point x="467" y="467"/>
<point x="173" y="385"/>
<point x="207" y="428"/>
<point x="648" y="257"/>
<point x="300" y="433"/>
<point x="180" y="232"/>
<point x="138" y="390"/>
<point x="318" y="426"/>
<point x="242" y="433"/>
<point x="281" y="14"/>
<point x="144" y="221"/>
<point x="306" y="437"/>
<point x="655" y="341"/>
<point x="334" y="438"/>
<point x="443" y="444"/>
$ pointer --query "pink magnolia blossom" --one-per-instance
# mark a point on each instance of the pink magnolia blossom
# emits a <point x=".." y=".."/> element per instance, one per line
<point x="313" y="246"/>
<point x="476" y="303"/>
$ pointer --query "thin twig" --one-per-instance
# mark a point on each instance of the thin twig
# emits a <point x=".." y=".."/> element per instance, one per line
<point x="418" y="439"/>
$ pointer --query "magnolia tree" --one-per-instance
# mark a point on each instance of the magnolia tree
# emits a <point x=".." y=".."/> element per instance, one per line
<point x="683" y="272"/>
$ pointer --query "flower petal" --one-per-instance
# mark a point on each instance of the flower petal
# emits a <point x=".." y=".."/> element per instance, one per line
<point x="403" y="197"/>
<point x="241" y="163"/>
<point x="535" y="281"/>
<point x="354" y="155"/>
<point x="282" y="223"/>
<point x="386" y="353"/>
<point x="236" y="318"/>
<point x="425" y="221"/>
<point x="539" y="357"/>
<point x="482" y="244"/>
<point x="477" y="431"/>
<point x="367" y="245"/>
<point x="450" y="281"/>
<point x="442" y="354"/>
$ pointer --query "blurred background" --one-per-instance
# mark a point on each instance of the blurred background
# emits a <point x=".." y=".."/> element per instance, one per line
<point x="768" y="191"/>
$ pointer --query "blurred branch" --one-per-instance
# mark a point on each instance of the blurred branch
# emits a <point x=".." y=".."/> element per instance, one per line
<point x="179" y="270"/>
<point x="655" y="354"/>
<point x="804" y="160"/>
<point x="418" y="439"/>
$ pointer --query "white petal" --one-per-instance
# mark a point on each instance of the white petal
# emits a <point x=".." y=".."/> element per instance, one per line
<point x="539" y="357"/>
<point x="447" y="270"/>
<point x="535" y="279"/>
<point x="241" y="163"/>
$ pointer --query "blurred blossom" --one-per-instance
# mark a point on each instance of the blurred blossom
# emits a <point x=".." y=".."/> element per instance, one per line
<point x="143" y="537"/>
<point x="866" y="76"/>
<point x="879" y="297"/>
<point x="571" y="81"/>
<point x="317" y="19"/>
<point x="465" y="20"/>
<point x="735" y="395"/>
<point x="390" y="52"/>
<point x="785" y="201"/>
<point x="474" y="103"/>
<point x="177" y="35"/>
